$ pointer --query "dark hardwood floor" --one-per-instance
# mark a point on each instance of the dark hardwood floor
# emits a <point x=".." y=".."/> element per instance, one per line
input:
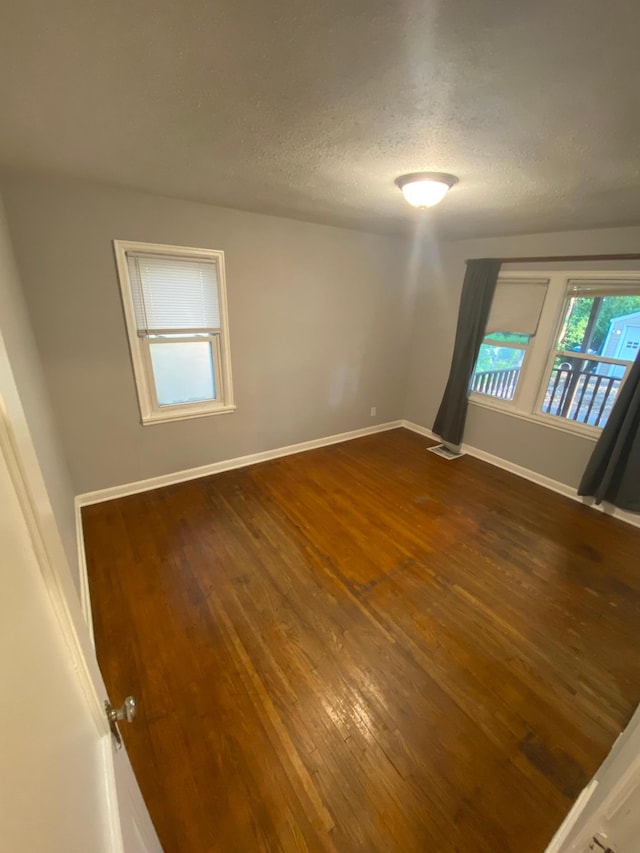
<point x="365" y="648"/>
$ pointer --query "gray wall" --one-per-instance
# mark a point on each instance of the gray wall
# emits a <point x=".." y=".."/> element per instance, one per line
<point x="321" y="324"/>
<point x="319" y="318"/>
<point x="559" y="455"/>
<point x="29" y="380"/>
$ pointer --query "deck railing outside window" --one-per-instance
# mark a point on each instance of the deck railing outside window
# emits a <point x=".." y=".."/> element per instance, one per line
<point x="496" y="383"/>
<point x="578" y="395"/>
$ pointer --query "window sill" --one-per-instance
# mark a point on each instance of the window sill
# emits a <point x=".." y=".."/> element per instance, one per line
<point x="167" y="417"/>
<point x="549" y="421"/>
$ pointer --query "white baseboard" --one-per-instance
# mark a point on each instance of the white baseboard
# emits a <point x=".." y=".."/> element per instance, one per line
<point x="534" y="477"/>
<point x="122" y="491"/>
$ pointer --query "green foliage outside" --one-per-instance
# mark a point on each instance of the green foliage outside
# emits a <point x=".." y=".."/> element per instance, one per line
<point x="611" y="307"/>
<point x="498" y="358"/>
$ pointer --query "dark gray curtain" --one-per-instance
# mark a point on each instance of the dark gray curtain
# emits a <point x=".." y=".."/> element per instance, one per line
<point x="477" y="294"/>
<point x="613" y="472"/>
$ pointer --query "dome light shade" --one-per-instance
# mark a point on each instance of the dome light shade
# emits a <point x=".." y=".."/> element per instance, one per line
<point x="424" y="189"/>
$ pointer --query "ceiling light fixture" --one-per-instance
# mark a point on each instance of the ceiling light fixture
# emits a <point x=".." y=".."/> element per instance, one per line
<point x="424" y="189"/>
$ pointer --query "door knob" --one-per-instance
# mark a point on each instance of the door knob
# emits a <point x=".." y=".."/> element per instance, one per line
<point x="126" y="713"/>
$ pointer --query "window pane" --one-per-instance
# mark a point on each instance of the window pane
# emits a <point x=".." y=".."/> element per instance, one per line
<point x="497" y="371"/>
<point x="608" y="325"/>
<point x="183" y="372"/>
<point x="582" y="390"/>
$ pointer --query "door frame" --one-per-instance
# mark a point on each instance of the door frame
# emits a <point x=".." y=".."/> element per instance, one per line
<point x="617" y="778"/>
<point x="83" y="573"/>
<point x="19" y="453"/>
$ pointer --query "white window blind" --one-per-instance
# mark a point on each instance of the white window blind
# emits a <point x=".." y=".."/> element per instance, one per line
<point x="174" y="293"/>
<point x="516" y="307"/>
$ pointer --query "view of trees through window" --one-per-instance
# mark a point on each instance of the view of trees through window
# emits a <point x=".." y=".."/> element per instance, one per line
<point x="599" y="338"/>
<point x="498" y="365"/>
<point x="582" y="333"/>
<point x="494" y="357"/>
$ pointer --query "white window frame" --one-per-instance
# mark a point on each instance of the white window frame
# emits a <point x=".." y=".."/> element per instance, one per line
<point x="139" y="345"/>
<point x="516" y="280"/>
<point x="539" y="358"/>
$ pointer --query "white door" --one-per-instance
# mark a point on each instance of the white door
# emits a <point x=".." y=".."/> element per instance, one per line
<point x="606" y="816"/>
<point x="63" y="788"/>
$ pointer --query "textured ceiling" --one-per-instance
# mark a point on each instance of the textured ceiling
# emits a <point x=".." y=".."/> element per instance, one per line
<point x="311" y="108"/>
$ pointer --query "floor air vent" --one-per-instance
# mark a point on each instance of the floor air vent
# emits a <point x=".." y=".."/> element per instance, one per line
<point x="445" y="452"/>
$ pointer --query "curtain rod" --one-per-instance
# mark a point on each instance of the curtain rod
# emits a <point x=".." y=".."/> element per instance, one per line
<point x="565" y="258"/>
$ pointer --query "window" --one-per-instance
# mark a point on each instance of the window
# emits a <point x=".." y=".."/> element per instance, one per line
<point x="175" y="309"/>
<point x="597" y="343"/>
<point x="513" y="321"/>
<point x="559" y="354"/>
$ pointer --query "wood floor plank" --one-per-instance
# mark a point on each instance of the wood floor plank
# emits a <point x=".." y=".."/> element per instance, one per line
<point x="364" y="648"/>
